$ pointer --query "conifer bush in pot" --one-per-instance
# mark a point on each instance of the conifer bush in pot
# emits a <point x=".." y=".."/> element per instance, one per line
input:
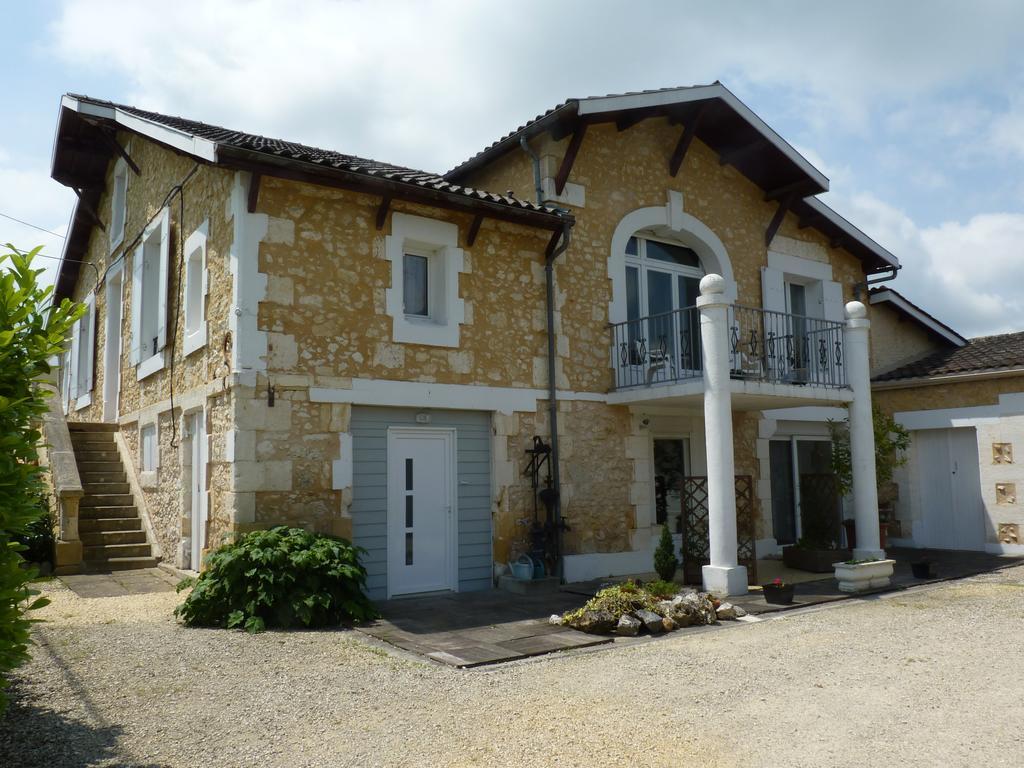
<point x="284" y="577"/>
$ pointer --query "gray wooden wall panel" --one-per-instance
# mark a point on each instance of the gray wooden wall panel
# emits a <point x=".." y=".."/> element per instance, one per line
<point x="473" y="491"/>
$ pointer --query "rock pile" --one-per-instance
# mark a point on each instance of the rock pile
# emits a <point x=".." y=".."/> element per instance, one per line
<point x="687" y="608"/>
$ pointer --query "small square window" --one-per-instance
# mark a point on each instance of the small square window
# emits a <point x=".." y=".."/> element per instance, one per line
<point x="148" y="447"/>
<point x="415" y="290"/>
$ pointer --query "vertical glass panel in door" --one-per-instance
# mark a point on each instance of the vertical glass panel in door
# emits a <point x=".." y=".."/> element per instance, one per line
<point x="780" y="458"/>
<point x="669" y="471"/>
<point x="797" y="300"/>
<point x="689" y="324"/>
<point x="819" y="496"/>
<point x="661" y="321"/>
<point x="634" y="331"/>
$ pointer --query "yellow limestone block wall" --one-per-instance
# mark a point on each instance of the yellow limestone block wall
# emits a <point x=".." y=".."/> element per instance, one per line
<point x="896" y="340"/>
<point x="205" y="195"/>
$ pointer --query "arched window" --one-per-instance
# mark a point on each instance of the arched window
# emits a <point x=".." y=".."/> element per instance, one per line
<point x="662" y="283"/>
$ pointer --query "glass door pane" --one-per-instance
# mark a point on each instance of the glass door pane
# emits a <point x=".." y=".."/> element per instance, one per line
<point x="669" y="471"/>
<point x="661" y="334"/>
<point x="780" y="458"/>
<point x="689" y="324"/>
<point x="819" y="496"/>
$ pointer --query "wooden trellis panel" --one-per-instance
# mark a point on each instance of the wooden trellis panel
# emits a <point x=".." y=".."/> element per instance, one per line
<point x="695" y="548"/>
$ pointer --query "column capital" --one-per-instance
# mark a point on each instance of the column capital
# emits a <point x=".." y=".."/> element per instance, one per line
<point x="857" y="315"/>
<point x="712" y="291"/>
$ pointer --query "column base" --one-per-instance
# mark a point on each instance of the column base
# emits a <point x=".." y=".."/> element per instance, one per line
<point x="868" y="554"/>
<point x="725" y="581"/>
<point x="67" y="554"/>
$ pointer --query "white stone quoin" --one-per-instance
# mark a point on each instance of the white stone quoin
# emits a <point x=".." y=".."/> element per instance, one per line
<point x="724" y="576"/>
<point x="862" y="433"/>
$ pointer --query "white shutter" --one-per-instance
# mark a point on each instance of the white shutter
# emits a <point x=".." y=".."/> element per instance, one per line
<point x="90" y="346"/>
<point x="832" y="301"/>
<point x="135" y="352"/>
<point x="75" y="352"/>
<point x="165" y="241"/>
<point x="773" y="293"/>
<point x="65" y="380"/>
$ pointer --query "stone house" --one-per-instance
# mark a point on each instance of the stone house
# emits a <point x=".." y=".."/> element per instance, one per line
<point x="963" y="402"/>
<point x="644" y="323"/>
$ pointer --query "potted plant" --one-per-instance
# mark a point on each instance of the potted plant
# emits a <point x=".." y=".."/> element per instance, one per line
<point x="665" y="561"/>
<point x="818" y="546"/>
<point x="922" y="569"/>
<point x="891" y="443"/>
<point x="862" y="575"/>
<point x="778" y="592"/>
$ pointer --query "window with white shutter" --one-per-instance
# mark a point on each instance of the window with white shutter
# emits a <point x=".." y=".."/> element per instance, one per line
<point x="149" y="296"/>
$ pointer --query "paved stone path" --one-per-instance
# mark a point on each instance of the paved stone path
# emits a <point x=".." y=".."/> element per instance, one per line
<point x="121" y="583"/>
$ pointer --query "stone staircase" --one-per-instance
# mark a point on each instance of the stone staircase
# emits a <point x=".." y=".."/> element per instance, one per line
<point x="109" y="524"/>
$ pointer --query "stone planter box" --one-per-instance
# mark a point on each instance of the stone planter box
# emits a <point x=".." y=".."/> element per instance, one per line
<point x="863" y="576"/>
<point x="813" y="560"/>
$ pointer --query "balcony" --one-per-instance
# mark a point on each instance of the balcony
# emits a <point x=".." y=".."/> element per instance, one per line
<point x="771" y="355"/>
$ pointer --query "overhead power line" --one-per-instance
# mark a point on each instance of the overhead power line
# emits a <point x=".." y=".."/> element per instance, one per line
<point x="34" y="226"/>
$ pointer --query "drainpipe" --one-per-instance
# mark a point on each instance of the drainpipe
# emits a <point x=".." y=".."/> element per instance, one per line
<point x="859" y="288"/>
<point x="549" y="279"/>
<point x="537" y="186"/>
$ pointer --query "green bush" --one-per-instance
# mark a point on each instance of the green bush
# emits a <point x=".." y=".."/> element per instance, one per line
<point x="283" y="577"/>
<point x="618" y="599"/>
<point x="661" y="588"/>
<point x="37" y="538"/>
<point x="32" y="331"/>
<point x="665" y="561"/>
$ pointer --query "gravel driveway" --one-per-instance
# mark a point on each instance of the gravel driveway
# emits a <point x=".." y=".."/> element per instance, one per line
<point x="925" y="678"/>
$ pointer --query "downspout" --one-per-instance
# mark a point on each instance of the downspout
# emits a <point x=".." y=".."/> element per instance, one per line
<point x="549" y="281"/>
<point x="859" y="288"/>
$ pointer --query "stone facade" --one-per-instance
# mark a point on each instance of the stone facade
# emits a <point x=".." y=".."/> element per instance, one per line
<point x="897" y="340"/>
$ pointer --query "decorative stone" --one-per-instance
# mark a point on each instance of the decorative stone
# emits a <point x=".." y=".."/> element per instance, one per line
<point x="740" y="613"/>
<point x="1009" y="533"/>
<point x="1002" y="453"/>
<point x="726" y="612"/>
<point x="668" y="624"/>
<point x="595" y="622"/>
<point x="703" y="607"/>
<point x="682" y="614"/>
<point x="555" y="620"/>
<point x="1006" y="493"/>
<point x="653" y="623"/>
<point x="628" y="626"/>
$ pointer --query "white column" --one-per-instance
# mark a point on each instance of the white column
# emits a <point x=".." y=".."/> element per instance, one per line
<point x="723" y="576"/>
<point x="862" y="432"/>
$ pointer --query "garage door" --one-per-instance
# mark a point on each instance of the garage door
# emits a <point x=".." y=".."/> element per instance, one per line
<point x="951" y="504"/>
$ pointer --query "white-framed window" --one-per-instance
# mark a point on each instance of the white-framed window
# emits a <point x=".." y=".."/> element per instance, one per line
<point x="423" y="299"/>
<point x="83" y="353"/>
<point x="149" y="296"/>
<point x="196" y="287"/>
<point x="118" y="204"/>
<point x="663" y="277"/>
<point x="149" y="448"/>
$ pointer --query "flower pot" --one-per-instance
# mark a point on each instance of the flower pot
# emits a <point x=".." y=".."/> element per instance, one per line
<point x="922" y="570"/>
<point x="860" y="577"/>
<point x="778" y="595"/>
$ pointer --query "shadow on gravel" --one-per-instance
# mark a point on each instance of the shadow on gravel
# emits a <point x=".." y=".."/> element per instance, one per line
<point x="32" y="736"/>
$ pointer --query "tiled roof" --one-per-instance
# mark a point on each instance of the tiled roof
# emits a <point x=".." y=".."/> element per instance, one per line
<point x="985" y="353"/>
<point x="323" y="157"/>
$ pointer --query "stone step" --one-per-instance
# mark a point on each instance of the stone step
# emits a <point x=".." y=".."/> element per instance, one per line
<point x="99" y="466"/>
<point x="103" y="477"/>
<point x="96" y="513"/>
<point x="108" y="524"/>
<point x="115" y="551"/>
<point x="91" y="454"/>
<point x="120" y="564"/>
<point x="106" y="500"/>
<point x="87" y="440"/>
<point x="91" y="426"/>
<point x="105" y="488"/>
<point x="107" y="538"/>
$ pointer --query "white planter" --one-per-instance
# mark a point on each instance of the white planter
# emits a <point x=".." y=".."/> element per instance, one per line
<point x="863" y="576"/>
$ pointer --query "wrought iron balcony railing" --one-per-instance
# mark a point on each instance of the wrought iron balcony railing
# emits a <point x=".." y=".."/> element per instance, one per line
<point x="765" y="346"/>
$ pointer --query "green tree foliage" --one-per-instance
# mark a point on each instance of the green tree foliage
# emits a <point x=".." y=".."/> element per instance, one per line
<point x="665" y="561"/>
<point x="284" y="577"/>
<point x="31" y="333"/>
<point x="891" y="443"/>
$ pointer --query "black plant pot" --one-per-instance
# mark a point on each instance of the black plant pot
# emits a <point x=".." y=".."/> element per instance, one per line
<point x="922" y="570"/>
<point x="777" y="595"/>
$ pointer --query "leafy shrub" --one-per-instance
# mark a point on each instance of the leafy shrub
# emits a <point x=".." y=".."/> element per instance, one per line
<point x="283" y="577"/>
<point x="665" y="561"/>
<point x="661" y="589"/>
<point x="37" y="538"/>
<point x="619" y="599"/>
<point x="32" y="331"/>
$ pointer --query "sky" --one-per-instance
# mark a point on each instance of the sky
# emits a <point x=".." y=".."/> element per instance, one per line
<point x="913" y="109"/>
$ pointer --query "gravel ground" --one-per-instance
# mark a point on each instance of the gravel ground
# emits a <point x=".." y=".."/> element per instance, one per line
<point x="923" y="678"/>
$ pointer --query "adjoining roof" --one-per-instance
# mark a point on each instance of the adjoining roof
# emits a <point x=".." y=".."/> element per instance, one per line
<point x="985" y="354"/>
<point x="727" y="126"/>
<point x="907" y="308"/>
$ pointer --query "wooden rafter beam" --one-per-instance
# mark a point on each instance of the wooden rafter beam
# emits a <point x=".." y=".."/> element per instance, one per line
<point x="474" y="230"/>
<point x="780" y="214"/>
<point x="112" y="141"/>
<point x="810" y="220"/>
<point x="679" y="153"/>
<point x="734" y="154"/>
<point x="254" y="192"/>
<point x="570" y="157"/>
<point x="555" y="237"/>
<point x="88" y="209"/>
<point x="382" y="211"/>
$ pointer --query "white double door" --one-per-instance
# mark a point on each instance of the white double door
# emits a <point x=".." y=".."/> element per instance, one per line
<point x="422" y="551"/>
<point x="951" y="504"/>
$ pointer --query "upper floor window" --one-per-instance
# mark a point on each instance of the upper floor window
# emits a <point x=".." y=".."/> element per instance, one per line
<point x="118" y="204"/>
<point x="149" y="296"/>
<point x="423" y="299"/>
<point x="83" y="343"/>
<point x="196" y="286"/>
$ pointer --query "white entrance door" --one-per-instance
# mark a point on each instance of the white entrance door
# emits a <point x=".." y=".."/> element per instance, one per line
<point x="951" y="503"/>
<point x="197" y="429"/>
<point x="421" y="511"/>
<point x="112" y="347"/>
